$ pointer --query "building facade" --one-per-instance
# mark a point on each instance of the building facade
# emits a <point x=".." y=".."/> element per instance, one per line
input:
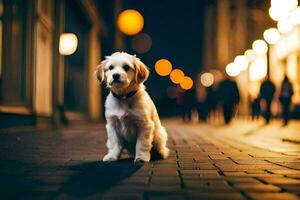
<point x="230" y="28"/>
<point x="37" y="83"/>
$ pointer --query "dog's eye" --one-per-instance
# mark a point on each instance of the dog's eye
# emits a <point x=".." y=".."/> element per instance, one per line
<point x="111" y="67"/>
<point x="126" y="67"/>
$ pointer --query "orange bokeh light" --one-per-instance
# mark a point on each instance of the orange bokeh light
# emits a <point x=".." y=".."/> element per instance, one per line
<point x="176" y="75"/>
<point x="130" y="22"/>
<point x="186" y="83"/>
<point x="163" y="67"/>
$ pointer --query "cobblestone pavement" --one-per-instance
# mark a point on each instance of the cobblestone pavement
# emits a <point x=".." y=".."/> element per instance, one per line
<point x="204" y="164"/>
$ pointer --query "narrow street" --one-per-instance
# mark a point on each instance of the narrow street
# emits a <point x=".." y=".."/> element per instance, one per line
<point x="207" y="161"/>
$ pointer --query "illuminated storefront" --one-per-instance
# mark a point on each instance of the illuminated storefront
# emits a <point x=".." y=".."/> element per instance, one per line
<point x="37" y="73"/>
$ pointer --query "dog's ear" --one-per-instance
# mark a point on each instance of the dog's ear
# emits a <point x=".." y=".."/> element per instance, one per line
<point x="100" y="71"/>
<point x="141" y="71"/>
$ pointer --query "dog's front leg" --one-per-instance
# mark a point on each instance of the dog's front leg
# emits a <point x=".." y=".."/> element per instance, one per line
<point x="144" y="142"/>
<point x="113" y="144"/>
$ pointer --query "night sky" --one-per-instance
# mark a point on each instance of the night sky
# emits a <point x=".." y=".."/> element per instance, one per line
<point x="176" y="31"/>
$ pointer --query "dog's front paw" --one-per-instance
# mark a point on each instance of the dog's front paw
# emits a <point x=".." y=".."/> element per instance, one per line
<point x="142" y="158"/>
<point x="109" y="158"/>
<point x="164" y="153"/>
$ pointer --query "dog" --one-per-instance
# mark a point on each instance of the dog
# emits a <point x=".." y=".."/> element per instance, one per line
<point x="132" y="121"/>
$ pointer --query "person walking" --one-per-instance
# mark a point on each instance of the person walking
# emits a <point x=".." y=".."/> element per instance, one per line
<point x="229" y="97"/>
<point x="255" y="109"/>
<point x="189" y="103"/>
<point x="285" y="99"/>
<point x="267" y="90"/>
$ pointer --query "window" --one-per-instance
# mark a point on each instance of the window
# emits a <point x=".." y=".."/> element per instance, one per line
<point x="13" y="70"/>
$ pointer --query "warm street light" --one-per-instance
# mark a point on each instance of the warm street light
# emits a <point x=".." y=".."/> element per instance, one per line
<point x="176" y="75"/>
<point x="186" y="83"/>
<point x="272" y="35"/>
<point x="207" y="79"/>
<point x="241" y="62"/>
<point x="260" y="47"/>
<point x="284" y="26"/>
<point x="259" y="68"/>
<point x="284" y="4"/>
<point x="277" y="13"/>
<point x="68" y="43"/>
<point x="130" y="22"/>
<point x="250" y="55"/>
<point x="280" y="9"/>
<point x="232" y="70"/>
<point x="163" y="67"/>
<point x="295" y="16"/>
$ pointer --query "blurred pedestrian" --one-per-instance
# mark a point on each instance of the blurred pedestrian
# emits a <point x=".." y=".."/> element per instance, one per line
<point x="255" y="109"/>
<point x="211" y="100"/>
<point x="229" y="97"/>
<point x="266" y="94"/>
<point x="285" y="99"/>
<point x="189" y="103"/>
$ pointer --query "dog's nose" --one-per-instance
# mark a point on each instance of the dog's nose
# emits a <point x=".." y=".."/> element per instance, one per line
<point x="116" y="76"/>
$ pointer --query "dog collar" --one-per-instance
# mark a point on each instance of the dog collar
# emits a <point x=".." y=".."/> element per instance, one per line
<point x="125" y="96"/>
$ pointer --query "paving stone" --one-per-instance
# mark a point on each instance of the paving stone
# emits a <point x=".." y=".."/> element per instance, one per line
<point x="290" y="187"/>
<point x="165" y="180"/>
<point x="281" y="180"/>
<point x="250" y="162"/>
<point x="285" y="171"/>
<point x="204" y="166"/>
<point x="163" y="196"/>
<point x="122" y="196"/>
<point x="256" y="187"/>
<point x="66" y="164"/>
<point x="272" y="196"/>
<point x="248" y="167"/>
<point x="296" y="176"/>
<point x="215" y="196"/>
<point x="216" y="185"/>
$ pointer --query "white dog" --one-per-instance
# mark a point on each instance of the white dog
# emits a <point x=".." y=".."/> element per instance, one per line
<point x="132" y="119"/>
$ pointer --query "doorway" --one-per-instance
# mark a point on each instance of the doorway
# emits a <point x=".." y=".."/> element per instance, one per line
<point x="75" y="82"/>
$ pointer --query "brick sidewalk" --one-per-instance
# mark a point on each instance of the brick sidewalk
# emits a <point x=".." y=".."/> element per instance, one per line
<point x="65" y="164"/>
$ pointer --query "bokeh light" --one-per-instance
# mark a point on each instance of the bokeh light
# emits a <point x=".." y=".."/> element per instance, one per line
<point x="163" y="67"/>
<point x="285" y="25"/>
<point x="186" y="83"/>
<point x="250" y="55"/>
<point x="280" y="9"/>
<point x="207" y="79"/>
<point x="276" y="13"/>
<point x="176" y="75"/>
<point x="232" y="70"/>
<point x="68" y="43"/>
<point x="272" y="35"/>
<point x="295" y="16"/>
<point x="260" y="47"/>
<point x="130" y="22"/>
<point x="258" y="69"/>
<point x="284" y="4"/>
<point x="141" y="43"/>
<point x="241" y="62"/>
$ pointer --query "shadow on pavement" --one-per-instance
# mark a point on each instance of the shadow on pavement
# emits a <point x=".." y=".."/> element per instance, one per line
<point x="97" y="177"/>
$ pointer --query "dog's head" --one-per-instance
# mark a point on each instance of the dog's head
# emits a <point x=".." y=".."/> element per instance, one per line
<point x="121" y="71"/>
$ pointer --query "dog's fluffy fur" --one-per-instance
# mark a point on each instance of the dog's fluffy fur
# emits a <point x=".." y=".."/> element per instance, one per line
<point x="133" y="122"/>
